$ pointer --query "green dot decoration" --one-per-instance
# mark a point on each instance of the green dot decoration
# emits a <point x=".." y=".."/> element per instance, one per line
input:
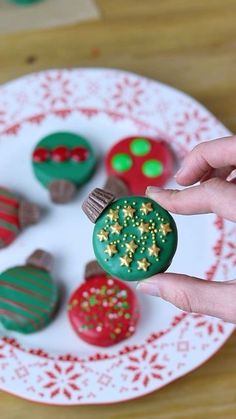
<point x="152" y="168"/>
<point x="140" y="146"/>
<point x="121" y="162"/>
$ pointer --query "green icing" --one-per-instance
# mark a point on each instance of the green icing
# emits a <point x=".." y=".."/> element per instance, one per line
<point x="28" y="298"/>
<point x="77" y="173"/>
<point x="25" y="2"/>
<point x="9" y="226"/>
<point x="8" y="194"/>
<point x="140" y="146"/>
<point x="121" y="162"/>
<point x="152" y="168"/>
<point x="155" y="217"/>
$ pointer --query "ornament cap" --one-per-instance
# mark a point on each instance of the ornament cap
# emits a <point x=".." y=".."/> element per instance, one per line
<point x="93" y="269"/>
<point x="29" y="213"/>
<point x="40" y="259"/>
<point x="61" y="191"/>
<point x="116" y="186"/>
<point x="96" y="202"/>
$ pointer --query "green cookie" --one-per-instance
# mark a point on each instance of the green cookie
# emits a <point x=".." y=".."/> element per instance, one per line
<point x="134" y="238"/>
<point x="62" y="162"/>
<point x="28" y="298"/>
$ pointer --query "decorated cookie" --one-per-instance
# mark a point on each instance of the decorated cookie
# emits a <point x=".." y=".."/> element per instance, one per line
<point x="28" y="295"/>
<point x="15" y="214"/>
<point x="62" y="162"/>
<point x="103" y="310"/>
<point x="139" y="162"/>
<point x="133" y="237"/>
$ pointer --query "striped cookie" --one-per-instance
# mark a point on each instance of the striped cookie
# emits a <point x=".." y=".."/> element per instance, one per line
<point x="28" y="295"/>
<point x="15" y="214"/>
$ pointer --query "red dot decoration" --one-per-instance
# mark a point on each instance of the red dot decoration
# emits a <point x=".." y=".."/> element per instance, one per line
<point x="79" y="154"/>
<point x="60" y="154"/>
<point x="41" y="155"/>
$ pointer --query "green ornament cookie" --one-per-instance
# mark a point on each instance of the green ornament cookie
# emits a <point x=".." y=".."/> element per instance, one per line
<point x="28" y="295"/>
<point x="134" y="237"/>
<point x="62" y="162"/>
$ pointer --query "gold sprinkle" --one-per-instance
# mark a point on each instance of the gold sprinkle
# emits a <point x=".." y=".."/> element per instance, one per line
<point x="113" y="215"/>
<point x="116" y="228"/>
<point x="143" y="227"/>
<point x="143" y="264"/>
<point x="111" y="249"/>
<point x="146" y="208"/>
<point x="102" y="235"/>
<point x="125" y="260"/>
<point x="131" y="246"/>
<point x="153" y="250"/>
<point x="165" y="229"/>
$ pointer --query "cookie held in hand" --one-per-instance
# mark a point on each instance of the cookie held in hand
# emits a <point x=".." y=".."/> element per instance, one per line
<point x="62" y="162"/>
<point x="103" y="311"/>
<point x="134" y="237"/>
<point x="28" y="294"/>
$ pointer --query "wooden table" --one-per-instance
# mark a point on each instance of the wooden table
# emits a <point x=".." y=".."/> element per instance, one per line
<point x="188" y="44"/>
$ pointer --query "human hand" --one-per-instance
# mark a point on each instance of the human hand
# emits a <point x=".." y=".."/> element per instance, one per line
<point x="209" y="163"/>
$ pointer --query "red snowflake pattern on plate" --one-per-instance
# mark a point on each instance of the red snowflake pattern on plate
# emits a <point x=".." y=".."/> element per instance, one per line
<point x="147" y="369"/>
<point x="128" y="94"/>
<point x="192" y="125"/>
<point x="62" y="380"/>
<point x="56" y="88"/>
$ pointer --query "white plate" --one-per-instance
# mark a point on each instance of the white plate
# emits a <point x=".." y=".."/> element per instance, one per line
<point x="54" y="366"/>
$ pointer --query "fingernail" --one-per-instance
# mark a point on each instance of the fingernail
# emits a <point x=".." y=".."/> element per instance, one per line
<point x="178" y="172"/>
<point x="152" y="190"/>
<point x="149" y="286"/>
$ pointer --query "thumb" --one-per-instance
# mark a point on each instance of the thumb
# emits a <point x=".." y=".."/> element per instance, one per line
<point x="191" y="294"/>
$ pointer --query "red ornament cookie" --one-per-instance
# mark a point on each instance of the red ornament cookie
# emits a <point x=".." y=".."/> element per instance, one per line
<point x="139" y="162"/>
<point x="103" y="311"/>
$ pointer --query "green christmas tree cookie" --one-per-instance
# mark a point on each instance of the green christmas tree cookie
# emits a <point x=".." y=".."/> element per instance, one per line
<point x="134" y="237"/>
<point x="62" y="162"/>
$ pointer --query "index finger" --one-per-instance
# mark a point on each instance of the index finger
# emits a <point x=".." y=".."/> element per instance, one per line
<point x="215" y="154"/>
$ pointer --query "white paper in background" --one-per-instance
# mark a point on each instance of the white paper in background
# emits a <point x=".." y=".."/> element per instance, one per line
<point x="45" y="14"/>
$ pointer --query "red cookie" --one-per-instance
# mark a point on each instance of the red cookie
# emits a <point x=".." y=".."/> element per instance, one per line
<point x="139" y="162"/>
<point x="103" y="311"/>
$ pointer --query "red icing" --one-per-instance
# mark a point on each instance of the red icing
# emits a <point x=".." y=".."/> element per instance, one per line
<point x="9" y="201"/>
<point x="134" y="177"/>
<point x="60" y="154"/>
<point x="41" y="155"/>
<point x="6" y="236"/>
<point x="9" y="218"/>
<point x="103" y="311"/>
<point x="79" y="154"/>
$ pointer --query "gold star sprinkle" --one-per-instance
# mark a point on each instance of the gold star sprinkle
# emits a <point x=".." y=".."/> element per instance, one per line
<point x="153" y="250"/>
<point x="116" y="228"/>
<point x="146" y="208"/>
<point x="165" y="229"/>
<point x="131" y="246"/>
<point x="143" y="264"/>
<point x="143" y="228"/>
<point x="102" y="235"/>
<point x="129" y="211"/>
<point x="125" y="261"/>
<point x="111" y="249"/>
<point x="113" y="215"/>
